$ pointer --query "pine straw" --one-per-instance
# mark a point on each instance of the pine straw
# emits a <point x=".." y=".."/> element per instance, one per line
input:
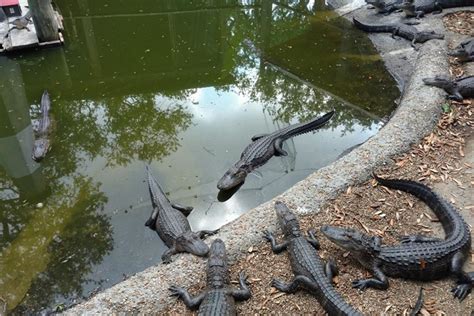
<point x="460" y="22"/>
<point x="377" y="211"/>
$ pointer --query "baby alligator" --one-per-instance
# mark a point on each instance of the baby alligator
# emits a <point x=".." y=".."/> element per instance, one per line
<point x="170" y="222"/>
<point x="42" y="143"/>
<point x="417" y="257"/>
<point x="264" y="147"/>
<point x="418" y="8"/>
<point x="384" y="7"/>
<point x="310" y="271"/>
<point x="406" y="31"/>
<point x="218" y="298"/>
<point x="457" y="89"/>
<point x="464" y="51"/>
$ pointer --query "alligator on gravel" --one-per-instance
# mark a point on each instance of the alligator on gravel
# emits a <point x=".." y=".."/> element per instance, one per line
<point x="219" y="297"/>
<point x="311" y="273"/>
<point x="170" y="222"/>
<point x="384" y="7"/>
<point x="264" y="147"/>
<point x="42" y="142"/>
<point x="417" y="257"/>
<point x="404" y="30"/>
<point x="457" y="89"/>
<point x="464" y="51"/>
<point x="418" y="8"/>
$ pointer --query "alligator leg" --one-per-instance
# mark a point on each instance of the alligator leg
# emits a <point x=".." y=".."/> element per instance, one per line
<point x="151" y="222"/>
<point x="186" y="210"/>
<point x="465" y="280"/>
<point x="191" y="302"/>
<point x="379" y="282"/>
<point x="278" y="150"/>
<point x="258" y="136"/>
<point x="412" y="44"/>
<point x="395" y="32"/>
<point x="419" y="14"/>
<point x="277" y="248"/>
<point x="418" y="238"/>
<point x="205" y="233"/>
<point x="331" y="269"/>
<point x="456" y="96"/>
<point x="297" y="283"/>
<point x="243" y="293"/>
<point x="312" y="238"/>
<point x="166" y="256"/>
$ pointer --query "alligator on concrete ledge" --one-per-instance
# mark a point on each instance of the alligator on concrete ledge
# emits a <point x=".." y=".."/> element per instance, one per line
<point x="418" y="8"/>
<point x="310" y="271"/>
<point x="404" y="30"/>
<point x="170" y="222"/>
<point x="384" y="7"/>
<point x="464" y="51"/>
<point x="417" y="257"/>
<point x="42" y="142"/>
<point x="457" y="89"/>
<point x="218" y="298"/>
<point x="264" y="147"/>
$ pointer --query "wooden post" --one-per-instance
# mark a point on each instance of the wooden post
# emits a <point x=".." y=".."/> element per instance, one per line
<point x="45" y="20"/>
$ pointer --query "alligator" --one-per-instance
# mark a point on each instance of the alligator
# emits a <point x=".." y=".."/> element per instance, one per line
<point x="170" y="222"/>
<point x="416" y="257"/>
<point x="42" y="142"/>
<point x="219" y="297"/>
<point x="418" y="8"/>
<point x="404" y="30"/>
<point x="311" y="273"/>
<point x="21" y="23"/>
<point x="457" y="89"/>
<point x="464" y="51"/>
<point x="264" y="147"/>
<point x="384" y="7"/>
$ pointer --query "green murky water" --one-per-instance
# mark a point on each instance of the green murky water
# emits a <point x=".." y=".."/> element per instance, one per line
<point x="179" y="84"/>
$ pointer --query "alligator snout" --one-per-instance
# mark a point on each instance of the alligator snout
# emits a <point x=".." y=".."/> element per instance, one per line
<point x="232" y="178"/>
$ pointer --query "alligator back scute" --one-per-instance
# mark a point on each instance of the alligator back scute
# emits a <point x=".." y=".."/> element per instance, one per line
<point x="216" y="303"/>
<point x="171" y="224"/>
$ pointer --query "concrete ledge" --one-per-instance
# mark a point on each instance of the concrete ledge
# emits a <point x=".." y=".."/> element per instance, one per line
<point x="147" y="292"/>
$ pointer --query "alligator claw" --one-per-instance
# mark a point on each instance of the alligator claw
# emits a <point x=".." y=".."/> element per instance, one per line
<point x="166" y="260"/>
<point x="461" y="291"/>
<point x="279" y="285"/>
<point x="176" y="290"/>
<point x="242" y="277"/>
<point x="267" y="235"/>
<point x="359" y="284"/>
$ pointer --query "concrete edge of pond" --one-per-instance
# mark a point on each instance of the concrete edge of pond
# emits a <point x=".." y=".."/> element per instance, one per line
<point x="417" y="114"/>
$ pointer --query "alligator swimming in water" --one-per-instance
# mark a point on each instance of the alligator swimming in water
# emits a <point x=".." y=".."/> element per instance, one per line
<point x="418" y="8"/>
<point x="219" y="297"/>
<point x="311" y="273"/>
<point x="42" y="142"/>
<point x="417" y="257"/>
<point x="457" y="89"/>
<point x="384" y="7"/>
<point x="170" y="222"/>
<point x="404" y="30"/>
<point x="464" y="51"/>
<point x="264" y="147"/>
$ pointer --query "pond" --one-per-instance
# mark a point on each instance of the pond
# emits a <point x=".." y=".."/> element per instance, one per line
<point x="179" y="85"/>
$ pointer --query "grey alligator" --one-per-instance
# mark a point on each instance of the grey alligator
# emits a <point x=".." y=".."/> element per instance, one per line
<point x="417" y="257"/>
<point x="404" y="30"/>
<point x="310" y="271"/>
<point x="464" y="51"/>
<point x="264" y="147"/>
<point x="384" y="7"/>
<point x="457" y="89"/>
<point x="20" y="23"/>
<point x="418" y="8"/>
<point x="219" y="297"/>
<point x="42" y="142"/>
<point x="170" y="222"/>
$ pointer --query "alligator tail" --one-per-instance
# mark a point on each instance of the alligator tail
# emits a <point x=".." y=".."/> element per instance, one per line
<point x="372" y="28"/>
<point x="309" y="126"/>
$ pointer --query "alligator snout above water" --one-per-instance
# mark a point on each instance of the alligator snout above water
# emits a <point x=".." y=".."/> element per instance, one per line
<point x="264" y="147"/>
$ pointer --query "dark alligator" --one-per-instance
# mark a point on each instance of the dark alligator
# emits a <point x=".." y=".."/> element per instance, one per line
<point x="418" y="8"/>
<point x="218" y="298"/>
<point x="20" y="23"/>
<point x="311" y="273"/>
<point x="170" y="222"/>
<point x="264" y="147"/>
<point x="464" y="51"/>
<point x="42" y="142"/>
<point x="417" y="257"/>
<point x="384" y="7"/>
<point x="404" y="30"/>
<point x="457" y="89"/>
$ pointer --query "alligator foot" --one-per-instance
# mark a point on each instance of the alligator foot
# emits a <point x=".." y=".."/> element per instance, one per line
<point x="461" y="291"/>
<point x="191" y="302"/>
<point x="312" y="238"/>
<point x="331" y="269"/>
<point x="282" y="286"/>
<point x="417" y="238"/>
<point x="243" y="293"/>
<point x="276" y="248"/>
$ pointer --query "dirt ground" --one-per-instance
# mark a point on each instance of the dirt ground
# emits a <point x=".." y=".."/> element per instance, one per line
<point x="442" y="161"/>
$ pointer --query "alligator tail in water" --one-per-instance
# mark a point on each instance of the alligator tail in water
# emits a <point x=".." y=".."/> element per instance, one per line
<point x="264" y="147"/>
<point x="42" y="142"/>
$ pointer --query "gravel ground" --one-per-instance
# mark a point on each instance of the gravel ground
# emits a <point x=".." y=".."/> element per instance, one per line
<point x="442" y="161"/>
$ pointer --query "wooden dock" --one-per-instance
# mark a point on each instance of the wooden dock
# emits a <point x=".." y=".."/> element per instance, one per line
<point x="14" y="39"/>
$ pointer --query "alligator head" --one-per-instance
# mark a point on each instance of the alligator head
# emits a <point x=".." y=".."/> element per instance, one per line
<point x="440" y="82"/>
<point x="461" y="54"/>
<point x="287" y="220"/>
<point x="352" y="240"/>
<point x="218" y="274"/>
<point x="233" y="177"/>
<point x="375" y="3"/>
<point x="40" y="148"/>
<point x="424" y="36"/>
<point x="191" y="242"/>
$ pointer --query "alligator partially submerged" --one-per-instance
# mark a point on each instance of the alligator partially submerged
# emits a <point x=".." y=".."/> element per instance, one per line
<point x="418" y="8"/>
<point x="384" y="7"/>
<point x="311" y="273"/>
<point x="417" y="257"/>
<point x="457" y="89"/>
<point x="404" y="30"/>
<point x="219" y="297"/>
<point x="42" y="142"/>
<point x="464" y="51"/>
<point x="170" y="222"/>
<point x="264" y="147"/>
